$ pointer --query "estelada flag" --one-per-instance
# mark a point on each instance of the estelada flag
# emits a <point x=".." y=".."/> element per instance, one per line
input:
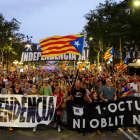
<point x="109" y="53"/>
<point x="67" y="64"/>
<point x="93" y="66"/>
<point x="58" y="45"/>
<point x="125" y="92"/>
<point x="82" y="65"/>
<point x="124" y="64"/>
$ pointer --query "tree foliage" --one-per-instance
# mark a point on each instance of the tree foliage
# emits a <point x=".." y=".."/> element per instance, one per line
<point x="110" y="22"/>
<point x="10" y="38"/>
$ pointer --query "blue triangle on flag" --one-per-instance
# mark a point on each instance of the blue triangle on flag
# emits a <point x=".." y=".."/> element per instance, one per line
<point x="67" y="64"/>
<point x="111" y="51"/>
<point x="126" y="61"/>
<point x="78" y="44"/>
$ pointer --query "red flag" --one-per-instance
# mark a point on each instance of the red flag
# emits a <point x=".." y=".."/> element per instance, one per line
<point x="105" y="73"/>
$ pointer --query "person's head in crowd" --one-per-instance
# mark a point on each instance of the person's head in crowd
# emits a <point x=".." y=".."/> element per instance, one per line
<point x="119" y="86"/>
<point x="24" y="81"/>
<point x="91" y="80"/>
<point x="81" y="85"/>
<point x="52" y="79"/>
<point x="59" y="81"/>
<point x="63" y="89"/>
<point x="103" y="78"/>
<point x="40" y="83"/>
<point x="122" y="82"/>
<point x="99" y="82"/>
<point x="63" y="78"/>
<point x="108" y="82"/>
<point x="55" y="83"/>
<point x="49" y="76"/>
<point x="9" y="91"/>
<point x="94" y="95"/>
<point x="46" y="82"/>
<point x="127" y="85"/>
<point x="16" y="85"/>
<point x="57" y="90"/>
<point x="26" y="85"/>
<point x="21" y="82"/>
<point x="73" y="79"/>
<point x="84" y="86"/>
<point x="30" y="78"/>
<point x="113" y="81"/>
<point x="7" y="85"/>
<point x="113" y="76"/>
<point x="55" y="76"/>
<point x="10" y="83"/>
<point x="135" y="80"/>
<point x="78" y="84"/>
<point x="34" y="87"/>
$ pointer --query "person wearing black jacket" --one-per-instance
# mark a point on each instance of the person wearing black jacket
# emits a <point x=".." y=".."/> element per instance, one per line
<point x="78" y="95"/>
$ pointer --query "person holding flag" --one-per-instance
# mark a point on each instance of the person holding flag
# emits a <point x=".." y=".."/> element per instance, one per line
<point x="127" y="91"/>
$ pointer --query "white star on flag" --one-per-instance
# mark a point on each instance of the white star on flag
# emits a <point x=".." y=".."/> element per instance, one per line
<point x="76" y="43"/>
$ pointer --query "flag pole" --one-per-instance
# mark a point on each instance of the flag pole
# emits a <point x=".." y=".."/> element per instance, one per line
<point x="113" y="61"/>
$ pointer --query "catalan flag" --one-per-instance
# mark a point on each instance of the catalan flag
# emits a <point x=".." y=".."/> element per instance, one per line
<point x="67" y="64"/>
<point x="125" y="92"/>
<point x="109" y="53"/>
<point x="124" y="64"/>
<point x="82" y="65"/>
<point x="63" y="66"/>
<point x="58" y="45"/>
<point x="93" y="66"/>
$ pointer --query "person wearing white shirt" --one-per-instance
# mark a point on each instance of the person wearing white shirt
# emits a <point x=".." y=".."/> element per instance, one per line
<point x="134" y="85"/>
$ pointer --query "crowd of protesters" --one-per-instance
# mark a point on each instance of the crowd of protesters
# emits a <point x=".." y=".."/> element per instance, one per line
<point x="70" y="85"/>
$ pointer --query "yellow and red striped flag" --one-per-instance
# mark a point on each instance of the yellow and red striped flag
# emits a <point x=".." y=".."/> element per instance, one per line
<point x="109" y="53"/>
<point x="124" y="64"/>
<point x="93" y="66"/>
<point x="58" y="45"/>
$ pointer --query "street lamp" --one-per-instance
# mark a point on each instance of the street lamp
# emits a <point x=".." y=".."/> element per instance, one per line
<point x="20" y="63"/>
<point x="28" y="45"/>
<point x="15" y="62"/>
<point x="10" y="38"/>
<point x="90" y="38"/>
<point x="137" y="3"/>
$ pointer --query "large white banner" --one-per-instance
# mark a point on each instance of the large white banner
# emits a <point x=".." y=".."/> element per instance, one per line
<point x="26" y="111"/>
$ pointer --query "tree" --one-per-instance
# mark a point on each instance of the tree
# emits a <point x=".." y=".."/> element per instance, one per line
<point x="8" y="30"/>
<point x="110" y="23"/>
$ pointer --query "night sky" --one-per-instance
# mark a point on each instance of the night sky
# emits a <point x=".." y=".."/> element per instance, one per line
<point x="45" y="18"/>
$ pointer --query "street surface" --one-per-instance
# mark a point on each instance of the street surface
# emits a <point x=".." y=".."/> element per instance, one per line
<point x="49" y="133"/>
